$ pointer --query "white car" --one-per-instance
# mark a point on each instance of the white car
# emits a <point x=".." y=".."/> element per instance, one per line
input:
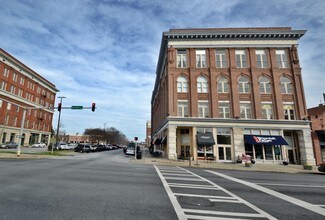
<point x="130" y="150"/>
<point x="37" y="145"/>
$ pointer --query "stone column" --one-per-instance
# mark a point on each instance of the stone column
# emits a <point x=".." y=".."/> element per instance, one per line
<point x="171" y="142"/>
<point x="306" y="147"/>
<point x="239" y="145"/>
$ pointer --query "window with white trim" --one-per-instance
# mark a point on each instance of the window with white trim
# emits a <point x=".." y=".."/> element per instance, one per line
<point x="8" y="106"/>
<point x="22" y="81"/>
<point x="241" y="60"/>
<point x="281" y="59"/>
<point x="223" y="85"/>
<point x="286" y="85"/>
<point x="12" y="89"/>
<point x="261" y="59"/>
<point x="224" y="109"/>
<point x="267" y="110"/>
<point x="182" y="84"/>
<point x="221" y="61"/>
<point x="6" y="72"/>
<point x="203" y="108"/>
<point x="243" y="85"/>
<point x="202" y="84"/>
<point x="14" y="77"/>
<point x="200" y="58"/>
<point x="182" y="108"/>
<point x="181" y="58"/>
<point x="3" y="85"/>
<point x="0" y="103"/>
<point x="245" y="110"/>
<point x="289" y="113"/>
<point x="265" y="85"/>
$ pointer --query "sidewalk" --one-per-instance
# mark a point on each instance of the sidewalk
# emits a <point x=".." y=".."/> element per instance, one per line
<point x="278" y="168"/>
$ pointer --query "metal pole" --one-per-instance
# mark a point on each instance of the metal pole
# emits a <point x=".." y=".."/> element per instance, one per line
<point x="58" y="128"/>
<point x="21" y="132"/>
<point x="135" y="150"/>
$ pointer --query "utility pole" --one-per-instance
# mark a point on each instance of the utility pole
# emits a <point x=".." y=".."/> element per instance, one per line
<point x="21" y="132"/>
<point x="58" y="128"/>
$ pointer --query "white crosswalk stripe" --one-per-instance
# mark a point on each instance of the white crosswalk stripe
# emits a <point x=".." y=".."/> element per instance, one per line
<point x="193" y="186"/>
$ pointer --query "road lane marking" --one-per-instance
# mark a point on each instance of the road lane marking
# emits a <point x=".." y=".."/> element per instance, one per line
<point x="178" y="209"/>
<point x="176" y="174"/>
<point x="293" y="185"/>
<point x="213" y="218"/>
<point x="204" y="196"/>
<point x="298" y="202"/>
<point x="186" y="179"/>
<point x="239" y="214"/>
<point x="254" y="211"/>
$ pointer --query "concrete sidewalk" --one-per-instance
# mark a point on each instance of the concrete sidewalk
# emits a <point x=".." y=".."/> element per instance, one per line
<point x="279" y="168"/>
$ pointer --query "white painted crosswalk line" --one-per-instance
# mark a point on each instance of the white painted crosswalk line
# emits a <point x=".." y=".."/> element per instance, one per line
<point x="208" y="186"/>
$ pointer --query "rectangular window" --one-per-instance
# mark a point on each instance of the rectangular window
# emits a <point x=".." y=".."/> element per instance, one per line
<point x="203" y="109"/>
<point x="245" y="110"/>
<point x="3" y="86"/>
<point x="221" y="61"/>
<point x="200" y="58"/>
<point x="0" y="103"/>
<point x="8" y="106"/>
<point x="12" y="89"/>
<point x="181" y="58"/>
<point x="22" y="81"/>
<point x="289" y="113"/>
<point x="20" y="92"/>
<point x="224" y="136"/>
<point x="267" y="111"/>
<point x="14" y="77"/>
<point x="224" y="110"/>
<point x="261" y="59"/>
<point x="182" y="109"/>
<point x="281" y="59"/>
<point x="6" y="72"/>
<point x="241" y="60"/>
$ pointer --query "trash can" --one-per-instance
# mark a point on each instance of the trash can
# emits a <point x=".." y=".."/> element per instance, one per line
<point x="139" y="155"/>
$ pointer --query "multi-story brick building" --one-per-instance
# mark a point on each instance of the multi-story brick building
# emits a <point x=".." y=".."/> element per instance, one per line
<point x="22" y="89"/>
<point x="225" y="92"/>
<point x="148" y="133"/>
<point x="317" y="118"/>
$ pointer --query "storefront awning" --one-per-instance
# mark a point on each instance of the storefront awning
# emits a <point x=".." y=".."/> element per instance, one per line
<point x="265" y="139"/>
<point x="205" y="139"/>
<point x="157" y="141"/>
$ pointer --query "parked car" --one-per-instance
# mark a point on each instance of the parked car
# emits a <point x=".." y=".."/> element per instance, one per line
<point x="38" y="145"/>
<point x="71" y="146"/>
<point x="130" y="149"/>
<point x="62" y="146"/>
<point x="82" y="148"/>
<point x="9" y="145"/>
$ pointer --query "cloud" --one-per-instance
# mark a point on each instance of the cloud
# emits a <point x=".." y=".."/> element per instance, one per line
<point x="106" y="51"/>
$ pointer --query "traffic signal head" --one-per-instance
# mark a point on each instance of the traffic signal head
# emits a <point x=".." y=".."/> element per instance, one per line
<point x="59" y="106"/>
<point x="93" y="106"/>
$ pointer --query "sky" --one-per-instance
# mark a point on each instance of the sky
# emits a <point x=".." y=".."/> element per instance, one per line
<point x="106" y="51"/>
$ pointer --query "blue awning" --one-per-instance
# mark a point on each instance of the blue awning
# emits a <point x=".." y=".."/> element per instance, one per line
<point x="265" y="140"/>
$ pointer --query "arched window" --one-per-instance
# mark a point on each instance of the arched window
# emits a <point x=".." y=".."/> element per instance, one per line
<point x="286" y="85"/>
<point x="223" y="85"/>
<point x="202" y="84"/>
<point x="182" y="84"/>
<point x="243" y="85"/>
<point x="265" y="85"/>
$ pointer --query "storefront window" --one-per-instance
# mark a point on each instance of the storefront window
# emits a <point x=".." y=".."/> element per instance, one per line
<point x="268" y="152"/>
<point x="249" y="150"/>
<point x="223" y="136"/>
<point x="259" y="152"/>
<point x="221" y="153"/>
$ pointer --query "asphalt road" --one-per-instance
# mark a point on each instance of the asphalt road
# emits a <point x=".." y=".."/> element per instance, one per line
<point x="107" y="185"/>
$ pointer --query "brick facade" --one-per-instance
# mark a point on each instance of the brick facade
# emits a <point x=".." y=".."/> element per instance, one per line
<point x="22" y="88"/>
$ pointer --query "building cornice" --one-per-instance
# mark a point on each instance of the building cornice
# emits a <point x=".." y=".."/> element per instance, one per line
<point x="9" y="60"/>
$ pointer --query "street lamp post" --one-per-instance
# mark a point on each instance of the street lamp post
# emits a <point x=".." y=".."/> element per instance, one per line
<point x="21" y="132"/>
<point x="58" y="128"/>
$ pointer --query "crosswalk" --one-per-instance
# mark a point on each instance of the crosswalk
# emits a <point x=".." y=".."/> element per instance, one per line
<point x="195" y="197"/>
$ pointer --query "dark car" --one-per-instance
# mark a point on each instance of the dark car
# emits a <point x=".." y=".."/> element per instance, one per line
<point x="9" y="145"/>
<point x="82" y="148"/>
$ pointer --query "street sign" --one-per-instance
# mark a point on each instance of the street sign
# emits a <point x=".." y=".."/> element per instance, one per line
<point x="76" y="107"/>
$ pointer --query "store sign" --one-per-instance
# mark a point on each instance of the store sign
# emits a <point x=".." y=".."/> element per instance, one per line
<point x="264" y="140"/>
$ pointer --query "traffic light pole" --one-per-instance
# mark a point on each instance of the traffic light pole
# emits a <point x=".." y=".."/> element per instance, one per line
<point x="58" y="128"/>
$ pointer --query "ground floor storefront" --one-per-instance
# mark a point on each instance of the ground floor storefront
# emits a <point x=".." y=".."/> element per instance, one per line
<point x="229" y="140"/>
<point x="28" y="138"/>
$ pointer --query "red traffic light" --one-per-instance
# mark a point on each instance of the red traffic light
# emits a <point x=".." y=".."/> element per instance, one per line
<point x="93" y="106"/>
<point x="59" y="106"/>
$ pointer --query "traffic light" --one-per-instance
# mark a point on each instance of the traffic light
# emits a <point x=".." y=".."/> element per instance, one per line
<point x="59" y="106"/>
<point x="93" y="106"/>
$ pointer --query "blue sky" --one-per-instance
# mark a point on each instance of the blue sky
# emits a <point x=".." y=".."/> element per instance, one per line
<point x="106" y="51"/>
